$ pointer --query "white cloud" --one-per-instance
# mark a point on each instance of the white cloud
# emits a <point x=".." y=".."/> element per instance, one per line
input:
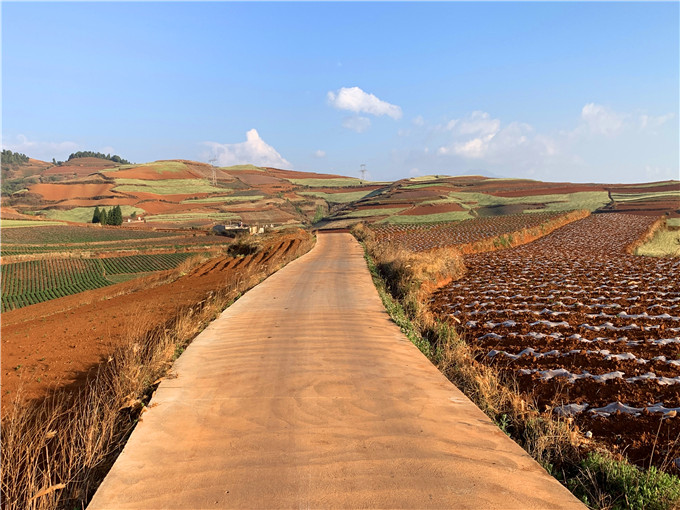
<point x="358" y="124"/>
<point x="418" y="121"/>
<point x="601" y="120"/>
<point x="356" y="100"/>
<point x="253" y="151"/>
<point x="414" y="172"/>
<point x="41" y="150"/>
<point x="652" y="122"/>
<point x="320" y="154"/>
<point x="481" y="137"/>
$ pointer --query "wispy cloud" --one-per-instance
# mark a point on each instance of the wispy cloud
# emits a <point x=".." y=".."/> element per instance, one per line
<point x="356" y="123"/>
<point x="253" y="151"/>
<point x="320" y="154"/>
<point x="39" y="149"/>
<point x="479" y="136"/>
<point x="356" y="100"/>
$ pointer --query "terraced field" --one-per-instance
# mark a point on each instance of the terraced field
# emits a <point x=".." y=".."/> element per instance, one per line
<point x="584" y="328"/>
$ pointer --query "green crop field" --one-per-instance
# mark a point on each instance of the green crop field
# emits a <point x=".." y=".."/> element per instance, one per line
<point x="218" y="200"/>
<point x="343" y="182"/>
<point x="652" y="195"/>
<point x="35" y="281"/>
<point x="237" y="168"/>
<point x="166" y="186"/>
<point x="159" y="166"/>
<point x="366" y="213"/>
<point x="193" y="216"/>
<point x="26" y="223"/>
<point x="429" y="218"/>
<point x="336" y="198"/>
<point x="84" y="214"/>
<point x="65" y="234"/>
<point x="589" y="200"/>
<point x="424" y="185"/>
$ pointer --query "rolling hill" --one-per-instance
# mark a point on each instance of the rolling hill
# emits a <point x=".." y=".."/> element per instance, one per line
<point x="181" y="193"/>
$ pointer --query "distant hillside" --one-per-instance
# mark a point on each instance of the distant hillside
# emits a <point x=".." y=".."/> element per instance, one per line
<point x="193" y="194"/>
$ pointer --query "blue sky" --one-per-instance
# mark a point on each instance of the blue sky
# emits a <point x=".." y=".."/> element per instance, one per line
<point x="551" y="91"/>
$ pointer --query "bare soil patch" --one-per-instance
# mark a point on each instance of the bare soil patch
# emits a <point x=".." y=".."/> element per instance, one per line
<point x="57" y="191"/>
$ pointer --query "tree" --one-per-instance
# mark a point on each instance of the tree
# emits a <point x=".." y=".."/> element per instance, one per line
<point x="116" y="216"/>
<point x="96" y="216"/>
<point x="103" y="217"/>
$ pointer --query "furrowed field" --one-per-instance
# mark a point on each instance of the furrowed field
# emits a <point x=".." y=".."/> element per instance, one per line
<point x="584" y="328"/>
<point x="41" y="263"/>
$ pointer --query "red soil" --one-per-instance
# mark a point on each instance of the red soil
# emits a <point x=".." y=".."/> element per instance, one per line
<point x="56" y="343"/>
<point x="56" y="191"/>
<point x="255" y="178"/>
<point x="432" y="209"/>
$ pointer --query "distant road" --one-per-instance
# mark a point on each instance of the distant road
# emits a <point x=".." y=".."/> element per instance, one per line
<point x="304" y="394"/>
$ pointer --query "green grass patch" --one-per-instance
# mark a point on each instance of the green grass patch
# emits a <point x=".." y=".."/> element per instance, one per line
<point x="120" y="278"/>
<point x="665" y="243"/>
<point x="366" y="213"/>
<point x="425" y="185"/>
<point x="673" y="222"/>
<point x="623" y="486"/>
<point x="219" y="200"/>
<point x="429" y="218"/>
<point x="236" y="168"/>
<point x="27" y="223"/>
<point x="341" y="182"/>
<point x="589" y="200"/>
<point x="336" y="198"/>
<point x="652" y="195"/>
<point x="193" y="216"/>
<point x="44" y="235"/>
<point x="84" y="214"/>
<point x="166" y="186"/>
<point x="159" y="166"/>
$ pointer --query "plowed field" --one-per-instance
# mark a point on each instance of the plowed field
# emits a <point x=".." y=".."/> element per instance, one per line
<point x="585" y="328"/>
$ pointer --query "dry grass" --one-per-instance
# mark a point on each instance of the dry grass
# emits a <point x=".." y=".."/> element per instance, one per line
<point x="647" y="236"/>
<point x="57" y="451"/>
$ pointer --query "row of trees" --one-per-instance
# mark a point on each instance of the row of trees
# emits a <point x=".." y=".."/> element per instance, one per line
<point x="91" y="154"/>
<point x="112" y="217"/>
<point x="10" y="158"/>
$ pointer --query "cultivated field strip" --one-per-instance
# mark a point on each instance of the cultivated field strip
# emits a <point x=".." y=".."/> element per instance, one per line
<point x="426" y="237"/>
<point x="34" y="281"/>
<point x="174" y="242"/>
<point x="574" y="315"/>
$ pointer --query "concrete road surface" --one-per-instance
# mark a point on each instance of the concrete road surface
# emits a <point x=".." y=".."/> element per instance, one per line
<point x="304" y="394"/>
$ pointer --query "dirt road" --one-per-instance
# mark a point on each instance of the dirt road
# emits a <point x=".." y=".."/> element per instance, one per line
<point x="304" y="394"/>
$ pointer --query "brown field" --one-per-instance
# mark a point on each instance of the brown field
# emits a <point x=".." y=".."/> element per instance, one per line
<point x="584" y="328"/>
<point x="57" y="191"/>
